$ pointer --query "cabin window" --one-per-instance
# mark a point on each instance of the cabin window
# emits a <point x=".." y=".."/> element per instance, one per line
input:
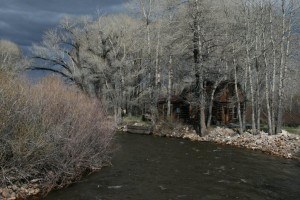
<point x="234" y="110"/>
<point x="165" y="109"/>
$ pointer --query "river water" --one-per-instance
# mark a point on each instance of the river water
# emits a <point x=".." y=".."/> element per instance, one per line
<point x="146" y="167"/>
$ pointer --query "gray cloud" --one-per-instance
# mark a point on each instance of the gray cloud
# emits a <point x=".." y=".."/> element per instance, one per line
<point x="24" y="21"/>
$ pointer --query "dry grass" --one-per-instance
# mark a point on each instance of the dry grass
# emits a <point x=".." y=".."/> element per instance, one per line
<point x="131" y="120"/>
<point x="294" y="130"/>
<point x="50" y="131"/>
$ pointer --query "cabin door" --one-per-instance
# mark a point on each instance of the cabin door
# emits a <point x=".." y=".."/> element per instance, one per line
<point x="225" y="115"/>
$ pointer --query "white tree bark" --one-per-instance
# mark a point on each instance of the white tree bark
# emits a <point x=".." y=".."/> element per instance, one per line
<point x="170" y="85"/>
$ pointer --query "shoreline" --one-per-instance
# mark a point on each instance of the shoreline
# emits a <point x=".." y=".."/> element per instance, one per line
<point x="38" y="188"/>
<point x="285" y="144"/>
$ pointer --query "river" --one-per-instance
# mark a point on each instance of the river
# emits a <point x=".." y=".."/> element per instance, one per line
<point x="153" y="168"/>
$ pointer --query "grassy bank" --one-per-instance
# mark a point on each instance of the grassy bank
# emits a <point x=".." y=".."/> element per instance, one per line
<point x="294" y="130"/>
<point x="49" y="134"/>
<point x="131" y="120"/>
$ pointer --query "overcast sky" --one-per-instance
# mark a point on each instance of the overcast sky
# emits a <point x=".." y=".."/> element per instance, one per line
<point x="24" y="21"/>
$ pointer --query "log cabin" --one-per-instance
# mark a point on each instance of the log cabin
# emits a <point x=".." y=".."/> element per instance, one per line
<point x="180" y="108"/>
<point x="224" y="104"/>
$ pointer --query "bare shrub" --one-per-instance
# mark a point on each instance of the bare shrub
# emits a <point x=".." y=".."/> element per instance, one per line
<point x="51" y="132"/>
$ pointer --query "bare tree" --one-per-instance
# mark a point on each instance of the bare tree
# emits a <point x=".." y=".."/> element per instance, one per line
<point x="131" y="60"/>
<point x="11" y="58"/>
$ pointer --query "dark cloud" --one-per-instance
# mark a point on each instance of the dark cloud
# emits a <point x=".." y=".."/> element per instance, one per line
<point x="24" y="21"/>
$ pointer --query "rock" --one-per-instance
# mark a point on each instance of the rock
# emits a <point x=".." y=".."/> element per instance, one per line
<point x="244" y="180"/>
<point x="6" y="193"/>
<point x="115" y="187"/>
<point x="162" y="187"/>
<point x="37" y="191"/>
<point x="13" y="196"/>
<point x="15" y="188"/>
<point x="284" y="144"/>
<point x="33" y="191"/>
<point x="35" y="180"/>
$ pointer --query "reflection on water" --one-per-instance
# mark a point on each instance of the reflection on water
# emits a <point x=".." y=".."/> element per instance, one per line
<point x="155" y="168"/>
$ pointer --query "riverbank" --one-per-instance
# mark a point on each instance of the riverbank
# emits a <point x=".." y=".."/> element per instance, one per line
<point x="285" y="144"/>
<point x="50" y="136"/>
<point x="24" y="191"/>
<point x="38" y="188"/>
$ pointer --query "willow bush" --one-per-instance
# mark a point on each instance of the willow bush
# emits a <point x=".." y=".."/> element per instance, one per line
<point x="51" y="132"/>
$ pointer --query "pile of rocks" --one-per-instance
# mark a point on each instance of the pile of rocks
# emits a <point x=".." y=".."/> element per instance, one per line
<point x="173" y="130"/>
<point x="284" y="144"/>
<point x="19" y="192"/>
<point x="218" y="135"/>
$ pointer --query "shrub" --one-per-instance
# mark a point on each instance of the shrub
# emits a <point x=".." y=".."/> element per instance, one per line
<point x="51" y="132"/>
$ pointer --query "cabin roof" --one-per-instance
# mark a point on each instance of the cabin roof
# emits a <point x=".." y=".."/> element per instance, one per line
<point x="225" y="91"/>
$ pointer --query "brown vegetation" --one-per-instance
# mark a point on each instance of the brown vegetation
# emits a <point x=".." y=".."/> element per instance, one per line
<point x="49" y="133"/>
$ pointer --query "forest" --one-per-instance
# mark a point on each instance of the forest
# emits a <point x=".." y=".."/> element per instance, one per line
<point x="157" y="48"/>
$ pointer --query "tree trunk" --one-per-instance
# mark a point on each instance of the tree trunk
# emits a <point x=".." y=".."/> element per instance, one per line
<point x="250" y="81"/>
<point x="273" y="89"/>
<point x="285" y="51"/>
<point x="170" y="86"/>
<point x="117" y="114"/>
<point x="199" y="65"/>
<point x="238" y="98"/>
<point x="267" y="90"/>
<point x="281" y="70"/>
<point x="157" y="68"/>
<point x="211" y="101"/>
<point x="245" y="104"/>
<point x="258" y="102"/>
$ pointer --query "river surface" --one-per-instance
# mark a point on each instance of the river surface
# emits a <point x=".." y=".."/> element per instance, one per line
<point x="153" y="168"/>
